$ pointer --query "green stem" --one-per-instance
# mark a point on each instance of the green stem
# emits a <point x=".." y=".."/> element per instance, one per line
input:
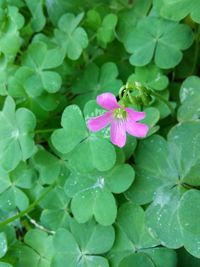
<point x="121" y="91"/>
<point x="196" y="51"/>
<point x="161" y="98"/>
<point x="44" y="131"/>
<point x="92" y="37"/>
<point x="29" y="209"/>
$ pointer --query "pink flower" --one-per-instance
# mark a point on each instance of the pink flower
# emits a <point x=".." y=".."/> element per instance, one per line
<point x="122" y="120"/>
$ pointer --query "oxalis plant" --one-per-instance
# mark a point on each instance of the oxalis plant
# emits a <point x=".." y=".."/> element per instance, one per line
<point x="99" y="133"/>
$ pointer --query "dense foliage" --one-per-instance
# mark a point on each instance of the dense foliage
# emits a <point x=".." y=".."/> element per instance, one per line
<point x="68" y="196"/>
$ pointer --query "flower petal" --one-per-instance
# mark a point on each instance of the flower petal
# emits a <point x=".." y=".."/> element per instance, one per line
<point x="107" y="101"/>
<point x="118" y="132"/>
<point x="136" y="129"/>
<point x="135" y="115"/>
<point x="98" y="123"/>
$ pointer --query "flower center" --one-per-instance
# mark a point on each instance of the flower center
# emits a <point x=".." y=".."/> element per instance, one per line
<point x="120" y="113"/>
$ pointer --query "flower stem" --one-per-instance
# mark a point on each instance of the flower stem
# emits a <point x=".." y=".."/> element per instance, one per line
<point x="29" y="209"/>
<point x="165" y="101"/>
<point x="39" y="226"/>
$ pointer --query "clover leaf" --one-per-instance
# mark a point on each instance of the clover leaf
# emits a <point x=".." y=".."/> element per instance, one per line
<point x="128" y="18"/>
<point x="85" y="152"/>
<point x="7" y="239"/>
<point x="151" y="118"/>
<point x="134" y="244"/>
<point x="55" y="212"/>
<point x="106" y="32"/>
<point x="16" y="134"/>
<point x="7" y="71"/>
<point x="73" y="132"/>
<point x="10" y="40"/>
<point x="163" y="167"/>
<point x="151" y="76"/>
<point x="189" y="210"/>
<point x="151" y="258"/>
<point x="70" y="37"/>
<point x="92" y="194"/>
<point x="40" y="60"/>
<point x="12" y="185"/>
<point x="3" y="244"/>
<point x="82" y="244"/>
<point x="158" y="39"/>
<point x="38" y="19"/>
<point x="39" y="101"/>
<point x="177" y="10"/>
<point x="93" y="19"/>
<point x="95" y="81"/>
<point x="37" y="250"/>
<point x="47" y="166"/>
<point x="190" y="97"/>
<point x="161" y="106"/>
<point x="4" y="264"/>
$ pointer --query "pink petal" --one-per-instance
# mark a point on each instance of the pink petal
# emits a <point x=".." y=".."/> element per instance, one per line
<point x="135" y="115"/>
<point x="107" y="101"/>
<point x="118" y="132"/>
<point x="136" y="129"/>
<point x="98" y="123"/>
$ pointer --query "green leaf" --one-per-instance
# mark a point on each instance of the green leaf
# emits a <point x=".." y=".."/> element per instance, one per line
<point x="162" y="217"/>
<point x="73" y="131"/>
<point x="92" y="237"/>
<point x="4" y="264"/>
<point x="189" y="210"/>
<point x="131" y="234"/>
<point x="190" y="97"/>
<point x="163" y="257"/>
<point x="12" y="185"/>
<point x="93" y="19"/>
<point x="151" y="118"/>
<point x="10" y="40"/>
<point x="137" y="260"/>
<point x="161" y="106"/>
<point x="83" y="245"/>
<point x="47" y="165"/>
<point x="92" y="194"/>
<point x="7" y="71"/>
<point x="16" y="134"/>
<point x="40" y="60"/>
<point x="95" y="81"/>
<point x="55" y="212"/>
<point x="129" y="17"/>
<point x="72" y="39"/>
<point x="177" y="10"/>
<point x="35" y="98"/>
<point x="93" y="153"/>
<point x="3" y="244"/>
<point x="106" y="33"/>
<point x="23" y="176"/>
<point x="163" y="172"/>
<point x="87" y="152"/>
<point x="38" y="19"/>
<point x="38" y="249"/>
<point x="162" y="40"/>
<point x="151" y="76"/>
